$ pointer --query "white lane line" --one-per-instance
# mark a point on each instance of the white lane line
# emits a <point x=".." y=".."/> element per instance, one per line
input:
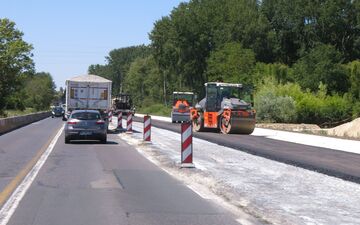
<point x="12" y="203"/>
<point x="200" y="193"/>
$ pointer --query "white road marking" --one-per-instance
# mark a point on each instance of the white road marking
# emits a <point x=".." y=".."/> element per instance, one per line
<point x="200" y="193"/>
<point x="12" y="203"/>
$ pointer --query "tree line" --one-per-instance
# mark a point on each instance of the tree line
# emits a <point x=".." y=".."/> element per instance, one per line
<point x="21" y="86"/>
<point x="311" y="46"/>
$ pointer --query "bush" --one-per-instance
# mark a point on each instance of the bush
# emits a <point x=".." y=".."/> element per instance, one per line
<point x="272" y="108"/>
<point x="288" y="103"/>
<point x="308" y="109"/>
<point x="335" y="108"/>
<point x="356" y="110"/>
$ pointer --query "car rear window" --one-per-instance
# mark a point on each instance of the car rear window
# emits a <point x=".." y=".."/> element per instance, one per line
<point x="86" y="116"/>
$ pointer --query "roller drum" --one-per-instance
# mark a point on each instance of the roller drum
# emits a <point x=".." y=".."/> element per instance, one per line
<point x="241" y="125"/>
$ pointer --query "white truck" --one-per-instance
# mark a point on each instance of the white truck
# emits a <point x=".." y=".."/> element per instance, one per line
<point x="88" y="92"/>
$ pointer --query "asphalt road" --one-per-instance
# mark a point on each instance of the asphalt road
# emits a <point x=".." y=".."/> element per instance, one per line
<point x="19" y="146"/>
<point x="88" y="183"/>
<point x="340" y="164"/>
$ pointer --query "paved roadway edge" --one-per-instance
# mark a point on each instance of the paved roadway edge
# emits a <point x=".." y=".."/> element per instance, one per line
<point x="319" y="169"/>
<point x="26" y="176"/>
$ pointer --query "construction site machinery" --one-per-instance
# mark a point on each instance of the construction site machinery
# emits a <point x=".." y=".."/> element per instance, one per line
<point x="226" y="107"/>
<point x="182" y="101"/>
<point x="122" y="103"/>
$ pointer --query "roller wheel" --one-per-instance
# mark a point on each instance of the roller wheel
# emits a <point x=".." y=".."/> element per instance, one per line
<point x="225" y="126"/>
<point x="198" y="124"/>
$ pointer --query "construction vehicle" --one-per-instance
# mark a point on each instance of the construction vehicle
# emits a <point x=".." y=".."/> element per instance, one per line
<point x="182" y="101"/>
<point x="226" y="107"/>
<point x="122" y="103"/>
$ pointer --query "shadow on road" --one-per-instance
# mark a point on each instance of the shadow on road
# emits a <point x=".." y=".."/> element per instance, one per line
<point x="119" y="131"/>
<point x="86" y="142"/>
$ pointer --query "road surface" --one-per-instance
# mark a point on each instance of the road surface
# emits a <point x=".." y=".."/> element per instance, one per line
<point x="344" y="165"/>
<point x="85" y="183"/>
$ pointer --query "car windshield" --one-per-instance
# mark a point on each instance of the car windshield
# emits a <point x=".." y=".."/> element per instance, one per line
<point x="57" y="109"/>
<point x="86" y="116"/>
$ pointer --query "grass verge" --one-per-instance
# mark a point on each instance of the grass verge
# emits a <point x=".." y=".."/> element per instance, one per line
<point x="156" y="109"/>
<point x="12" y="113"/>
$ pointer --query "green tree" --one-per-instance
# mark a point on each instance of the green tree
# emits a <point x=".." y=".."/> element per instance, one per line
<point x="281" y="73"/>
<point x="232" y="63"/>
<point x="118" y="63"/>
<point x="143" y="81"/>
<point x="184" y="40"/>
<point x="15" y="60"/>
<point x="40" y="91"/>
<point x="301" y="25"/>
<point x="322" y="64"/>
<point x="354" y="73"/>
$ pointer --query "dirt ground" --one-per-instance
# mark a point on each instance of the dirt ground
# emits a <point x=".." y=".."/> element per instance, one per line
<point x="349" y="130"/>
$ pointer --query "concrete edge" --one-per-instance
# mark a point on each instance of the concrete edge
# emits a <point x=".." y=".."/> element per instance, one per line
<point x="12" y="123"/>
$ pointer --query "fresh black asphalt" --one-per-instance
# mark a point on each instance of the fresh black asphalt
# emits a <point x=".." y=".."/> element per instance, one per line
<point x="339" y="164"/>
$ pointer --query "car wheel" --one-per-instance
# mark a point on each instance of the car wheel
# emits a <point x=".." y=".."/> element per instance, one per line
<point x="103" y="140"/>
<point x="67" y="140"/>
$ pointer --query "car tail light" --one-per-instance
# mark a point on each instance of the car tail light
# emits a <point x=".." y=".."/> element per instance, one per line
<point x="72" y="122"/>
<point x="100" y="122"/>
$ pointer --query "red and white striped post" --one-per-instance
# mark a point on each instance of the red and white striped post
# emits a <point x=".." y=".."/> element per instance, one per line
<point x="186" y="145"/>
<point x="129" y="123"/>
<point x="119" y="124"/>
<point x="110" y="116"/>
<point x="147" y="128"/>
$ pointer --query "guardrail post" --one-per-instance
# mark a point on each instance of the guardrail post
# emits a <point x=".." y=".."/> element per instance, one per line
<point x="186" y="145"/>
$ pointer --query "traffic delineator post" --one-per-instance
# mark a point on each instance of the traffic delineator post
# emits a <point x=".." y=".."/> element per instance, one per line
<point x="186" y="145"/>
<point x="119" y="125"/>
<point x="110" y="116"/>
<point x="147" y="128"/>
<point x="129" y="123"/>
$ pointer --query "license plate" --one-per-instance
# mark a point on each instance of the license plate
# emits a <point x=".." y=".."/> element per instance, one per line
<point x="85" y="132"/>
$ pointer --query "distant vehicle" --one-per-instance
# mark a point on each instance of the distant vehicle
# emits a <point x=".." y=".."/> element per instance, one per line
<point x="182" y="102"/>
<point x="88" y="92"/>
<point x="226" y="107"/>
<point x="122" y="103"/>
<point x="57" y="111"/>
<point x="85" y="125"/>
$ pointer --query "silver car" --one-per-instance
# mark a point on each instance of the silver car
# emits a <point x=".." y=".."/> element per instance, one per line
<point x="85" y="125"/>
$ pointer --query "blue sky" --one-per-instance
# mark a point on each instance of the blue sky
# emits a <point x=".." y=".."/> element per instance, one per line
<point x="68" y="36"/>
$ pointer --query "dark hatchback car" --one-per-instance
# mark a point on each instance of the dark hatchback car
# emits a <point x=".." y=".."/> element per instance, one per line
<point x="57" y="111"/>
<point x="85" y="125"/>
